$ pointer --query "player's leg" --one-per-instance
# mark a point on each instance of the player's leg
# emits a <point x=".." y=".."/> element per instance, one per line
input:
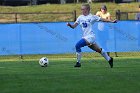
<point x="96" y="48"/>
<point x="78" y="47"/>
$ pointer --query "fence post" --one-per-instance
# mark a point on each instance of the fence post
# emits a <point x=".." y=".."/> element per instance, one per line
<point x="16" y="17"/>
<point x="118" y="14"/>
<point x="74" y="15"/>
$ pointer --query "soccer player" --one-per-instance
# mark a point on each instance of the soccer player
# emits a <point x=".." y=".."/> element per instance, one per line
<point x="85" y="21"/>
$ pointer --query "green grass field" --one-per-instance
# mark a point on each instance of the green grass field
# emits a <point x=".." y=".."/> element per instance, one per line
<point x="95" y="76"/>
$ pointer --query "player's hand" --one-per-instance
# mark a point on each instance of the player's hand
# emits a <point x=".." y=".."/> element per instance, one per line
<point x="68" y="24"/>
<point x="72" y="26"/>
<point x="114" y="21"/>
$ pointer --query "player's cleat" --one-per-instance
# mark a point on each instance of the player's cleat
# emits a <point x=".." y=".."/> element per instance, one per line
<point x="78" y="64"/>
<point x="111" y="62"/>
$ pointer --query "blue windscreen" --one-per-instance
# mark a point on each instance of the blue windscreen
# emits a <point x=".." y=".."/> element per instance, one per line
<point x="56" y="37"/>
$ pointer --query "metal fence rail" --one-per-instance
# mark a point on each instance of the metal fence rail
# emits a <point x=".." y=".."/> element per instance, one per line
<point x="130" y="15"/>
<point x="37" y="17"/>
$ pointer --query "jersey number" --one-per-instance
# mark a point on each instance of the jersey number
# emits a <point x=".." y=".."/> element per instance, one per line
<point x="84" y="25"/>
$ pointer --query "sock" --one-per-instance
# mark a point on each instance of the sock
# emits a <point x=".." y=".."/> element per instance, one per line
<point x="105" y="55"/>
<point x="78" y="55"/>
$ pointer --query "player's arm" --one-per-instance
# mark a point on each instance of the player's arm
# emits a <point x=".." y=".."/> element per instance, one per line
<point x="108" y="20"/>
<point x="97" y="18"/>
<point x="72" y="25"/>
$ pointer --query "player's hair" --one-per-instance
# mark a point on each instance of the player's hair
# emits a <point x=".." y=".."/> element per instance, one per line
<point x="86" y="5"/>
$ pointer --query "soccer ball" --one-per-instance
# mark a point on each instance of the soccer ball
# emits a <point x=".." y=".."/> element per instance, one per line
<point x="43" y="62"/>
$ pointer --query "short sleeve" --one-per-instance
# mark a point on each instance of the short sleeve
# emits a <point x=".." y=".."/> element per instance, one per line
<point x="96" y="18"/>
<point x="78" y="20"/>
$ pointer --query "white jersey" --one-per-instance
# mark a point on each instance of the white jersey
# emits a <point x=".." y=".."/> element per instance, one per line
<point x="86" y="23"/>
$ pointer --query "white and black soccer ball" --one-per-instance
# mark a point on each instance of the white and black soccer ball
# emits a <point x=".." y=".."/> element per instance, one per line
<point x="44" y="62"/>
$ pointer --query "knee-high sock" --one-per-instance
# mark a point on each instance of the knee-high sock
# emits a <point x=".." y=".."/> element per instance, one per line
<point x="105" y="55"/>
<point x="78" y="55"/>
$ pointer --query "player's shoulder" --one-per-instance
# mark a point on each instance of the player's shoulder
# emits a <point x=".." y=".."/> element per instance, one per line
<point x="80" y="16"/>
<point x="90" y="15"/>
<point x="94" y="16"/>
